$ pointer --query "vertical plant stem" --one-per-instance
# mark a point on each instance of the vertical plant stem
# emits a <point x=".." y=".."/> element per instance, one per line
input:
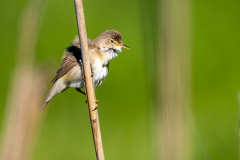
<point x="175" y="80"/>
<point x="23" y="119"/>
<point x="88" y="82"/>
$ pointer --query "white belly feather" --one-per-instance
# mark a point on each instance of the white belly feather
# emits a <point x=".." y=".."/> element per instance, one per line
<point x="99" y="74"/>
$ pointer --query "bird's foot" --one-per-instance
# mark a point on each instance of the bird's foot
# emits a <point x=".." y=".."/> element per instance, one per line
<point x="96" y="103"/>
<point x="91" y="74"/>
<point x="79" y="90"/>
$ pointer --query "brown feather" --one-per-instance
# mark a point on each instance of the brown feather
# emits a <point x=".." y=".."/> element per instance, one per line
<point x="68" y="62"/>
<point x="115" y="35"/>
<point x="72" y="56"/>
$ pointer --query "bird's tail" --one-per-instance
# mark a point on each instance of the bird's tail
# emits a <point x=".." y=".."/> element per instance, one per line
<point x="58" y="87"/>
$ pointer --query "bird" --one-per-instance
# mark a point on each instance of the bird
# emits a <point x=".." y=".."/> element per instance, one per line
<point x="101" y="51"/>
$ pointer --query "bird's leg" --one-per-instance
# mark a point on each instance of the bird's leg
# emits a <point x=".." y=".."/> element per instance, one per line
<point x="79" y="90"/>
<point x="83" y="76"/>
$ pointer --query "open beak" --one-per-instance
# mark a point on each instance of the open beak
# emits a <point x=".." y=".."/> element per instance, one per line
<point x="124" y="46"/>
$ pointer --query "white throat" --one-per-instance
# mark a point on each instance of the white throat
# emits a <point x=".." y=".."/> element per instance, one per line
<point x="109" y="54"/>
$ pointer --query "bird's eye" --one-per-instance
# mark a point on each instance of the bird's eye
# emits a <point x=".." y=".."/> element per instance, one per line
<point x="111" y="41"/>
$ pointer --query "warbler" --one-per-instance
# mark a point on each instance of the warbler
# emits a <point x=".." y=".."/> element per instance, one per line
<point x="101" y="51"/>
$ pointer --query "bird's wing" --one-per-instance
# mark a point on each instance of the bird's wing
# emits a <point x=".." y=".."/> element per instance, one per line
<point x="68" y="62"/>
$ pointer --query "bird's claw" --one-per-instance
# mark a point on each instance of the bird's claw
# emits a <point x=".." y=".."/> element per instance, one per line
<point x="95" y="108"/>
<point x="96" y="102"/>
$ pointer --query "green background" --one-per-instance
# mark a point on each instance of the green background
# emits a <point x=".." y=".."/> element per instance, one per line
<point x="125" y="97"/>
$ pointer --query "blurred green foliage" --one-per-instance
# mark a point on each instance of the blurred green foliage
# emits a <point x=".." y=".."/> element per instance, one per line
<point x="216" y="78"/>
<point x="124" y="98"/>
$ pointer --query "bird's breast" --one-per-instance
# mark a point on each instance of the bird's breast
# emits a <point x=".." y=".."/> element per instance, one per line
<point x="100" y="72"/>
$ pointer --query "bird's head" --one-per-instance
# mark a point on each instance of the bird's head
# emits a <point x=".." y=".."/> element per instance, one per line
<point x="111" y="40"/>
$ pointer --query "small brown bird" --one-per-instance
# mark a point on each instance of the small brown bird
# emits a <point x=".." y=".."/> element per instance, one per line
<point x="101" y="50"/>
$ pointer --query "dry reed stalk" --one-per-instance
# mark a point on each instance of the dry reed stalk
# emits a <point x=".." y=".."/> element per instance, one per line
<point x="174" y="97"/>
<point x="23" y="117"/>
<point x="88" y="82"/>
<point x="22" y="122"/>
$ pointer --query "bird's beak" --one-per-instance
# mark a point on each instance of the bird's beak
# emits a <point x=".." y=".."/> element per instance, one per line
<point x="124" y="46"/>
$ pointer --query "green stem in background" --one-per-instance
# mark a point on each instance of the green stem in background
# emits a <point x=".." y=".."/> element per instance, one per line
<point x="174" y="80"/>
